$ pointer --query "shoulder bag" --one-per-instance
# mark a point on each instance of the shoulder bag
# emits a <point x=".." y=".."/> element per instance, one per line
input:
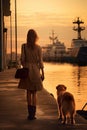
<point x="22" y="73"/>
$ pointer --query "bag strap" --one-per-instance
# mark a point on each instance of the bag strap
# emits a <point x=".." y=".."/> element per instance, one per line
<point x="25" y="51"/>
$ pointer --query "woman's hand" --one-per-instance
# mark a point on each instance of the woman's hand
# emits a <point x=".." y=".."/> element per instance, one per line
<point x="42" y="77"/>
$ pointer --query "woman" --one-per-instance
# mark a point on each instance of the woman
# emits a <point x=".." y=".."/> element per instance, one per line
<point x="31" y="57"/>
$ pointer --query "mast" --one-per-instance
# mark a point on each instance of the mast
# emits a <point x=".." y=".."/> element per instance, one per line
<point x="53" y="38"/>
<point x="78" y="28"/>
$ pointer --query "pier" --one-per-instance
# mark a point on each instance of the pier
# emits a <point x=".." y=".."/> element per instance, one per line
<point x="13" y="108"/>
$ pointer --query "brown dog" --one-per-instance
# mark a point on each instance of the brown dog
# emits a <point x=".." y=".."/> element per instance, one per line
<point x="66" y="104"/>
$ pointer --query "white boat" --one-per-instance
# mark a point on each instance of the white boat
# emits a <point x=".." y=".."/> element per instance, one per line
<point x="55" y="50"/>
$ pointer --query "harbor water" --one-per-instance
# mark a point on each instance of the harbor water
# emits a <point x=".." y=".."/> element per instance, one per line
<point x="72" y="76"/>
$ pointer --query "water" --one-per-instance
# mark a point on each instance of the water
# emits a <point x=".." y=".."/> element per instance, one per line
<point x="74" y="77"/>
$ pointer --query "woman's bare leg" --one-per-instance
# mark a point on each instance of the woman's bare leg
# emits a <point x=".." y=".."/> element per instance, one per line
<point x="34" y="98"/>
<point x="29" y="98"/>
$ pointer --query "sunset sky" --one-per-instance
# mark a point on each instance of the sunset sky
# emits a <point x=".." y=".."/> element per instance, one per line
<point x="45" y="16"/>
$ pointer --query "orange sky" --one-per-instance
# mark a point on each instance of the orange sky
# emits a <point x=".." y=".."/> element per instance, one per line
<point x="45" y="16"/>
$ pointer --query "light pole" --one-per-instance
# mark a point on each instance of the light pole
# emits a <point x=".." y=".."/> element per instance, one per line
<point x="15" y="30"/>
<point x="11" y="36"/>
<point x="1" y="36"/>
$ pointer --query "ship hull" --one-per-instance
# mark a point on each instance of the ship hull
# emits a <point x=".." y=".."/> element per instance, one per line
<point x="80" y="54"/>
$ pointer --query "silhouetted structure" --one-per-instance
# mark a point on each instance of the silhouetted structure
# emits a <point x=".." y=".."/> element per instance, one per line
<point x="4" y="11"/>
<point x="79" y="28"/>
<point x="79" y="45"/>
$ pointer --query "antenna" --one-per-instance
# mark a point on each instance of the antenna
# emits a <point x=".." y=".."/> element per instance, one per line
<point x="78" y="28"/>
<point x="53" y="38"/>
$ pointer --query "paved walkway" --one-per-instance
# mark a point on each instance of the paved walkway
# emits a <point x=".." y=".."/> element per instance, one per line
<point x="13" y="108"/>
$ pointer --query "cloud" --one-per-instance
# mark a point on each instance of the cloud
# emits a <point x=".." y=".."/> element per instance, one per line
<point x="41" y="19"/>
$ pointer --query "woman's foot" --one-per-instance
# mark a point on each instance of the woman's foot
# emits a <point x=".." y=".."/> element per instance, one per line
<point x="31" y="118"/>
<point x="31" y="111"/>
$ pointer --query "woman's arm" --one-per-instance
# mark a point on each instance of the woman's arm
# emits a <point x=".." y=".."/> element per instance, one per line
<point x="41" y="64"/>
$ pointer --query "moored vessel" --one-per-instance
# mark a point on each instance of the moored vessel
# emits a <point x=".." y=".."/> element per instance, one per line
<point x="79" y="45"/>
<point x="54" y="51"/>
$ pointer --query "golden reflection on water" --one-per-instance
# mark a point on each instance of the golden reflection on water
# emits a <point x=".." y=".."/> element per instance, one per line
<point x="74" y="77"/>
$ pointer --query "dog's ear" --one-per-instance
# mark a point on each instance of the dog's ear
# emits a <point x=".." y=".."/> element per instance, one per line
<point x="65" y="87"/>
<point x="56" y="87"/>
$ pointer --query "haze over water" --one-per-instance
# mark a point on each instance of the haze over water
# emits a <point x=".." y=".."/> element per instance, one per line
<point x="73" y="77"/>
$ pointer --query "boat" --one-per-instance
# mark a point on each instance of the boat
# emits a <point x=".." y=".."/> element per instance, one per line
<point x="55" y="50"/>
<point x="83" y="112"/>
<point x="79" y="45"/>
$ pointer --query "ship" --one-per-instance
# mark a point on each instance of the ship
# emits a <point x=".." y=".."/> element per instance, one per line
<point x="79" y="45"/>
<point x="55" y="50"/>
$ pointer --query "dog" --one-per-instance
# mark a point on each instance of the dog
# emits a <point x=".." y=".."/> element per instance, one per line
<point x="66" y="104"/>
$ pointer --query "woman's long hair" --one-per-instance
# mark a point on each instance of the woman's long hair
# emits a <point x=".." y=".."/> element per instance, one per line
<point x="31" y="38"/>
